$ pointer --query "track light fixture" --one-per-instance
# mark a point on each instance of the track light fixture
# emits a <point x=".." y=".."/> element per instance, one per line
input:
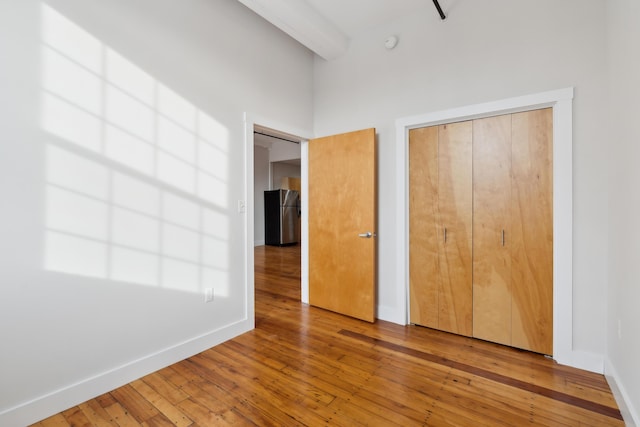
<point x="437" y="5"/>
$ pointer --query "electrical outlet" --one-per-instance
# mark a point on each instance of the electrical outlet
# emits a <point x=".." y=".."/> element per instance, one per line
<point x="208" y="295"/>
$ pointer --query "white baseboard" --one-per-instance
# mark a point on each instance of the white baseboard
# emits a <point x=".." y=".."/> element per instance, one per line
<point x="59" y="400"/>
<point x="583" y="360"/>
<point x="629" y="413"/>
<point x="391" y="314"/>
<point x="258" y="243"/>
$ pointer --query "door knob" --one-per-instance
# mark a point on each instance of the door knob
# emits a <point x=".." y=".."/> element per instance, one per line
<point x="366" y="235"/>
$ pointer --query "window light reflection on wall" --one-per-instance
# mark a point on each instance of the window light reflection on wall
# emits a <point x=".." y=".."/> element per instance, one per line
<point x="136" y="180"/>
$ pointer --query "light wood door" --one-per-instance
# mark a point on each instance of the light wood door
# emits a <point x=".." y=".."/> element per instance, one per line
<point x="532" y="236"/>
<point x="342" y="205"/>
<point x="455" y="294"/>
<point x="481" y="229"/>
<point x="440" y="238"/>
<point x="425" y="231"/>
<point x="492" y="229"/>
<point x="513" y="230"/>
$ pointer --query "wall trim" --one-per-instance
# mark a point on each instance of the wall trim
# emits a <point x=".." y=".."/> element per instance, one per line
<point x="59" y="400"/>
<point x="587" y="361"/>
<point x="562" y="103"/>
<point x="629" y="413"/>
<point x="304" y="223"/>
<point x="390" y="314"/>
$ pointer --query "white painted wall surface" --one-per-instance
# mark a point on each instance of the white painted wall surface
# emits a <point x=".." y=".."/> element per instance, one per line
<point x="484" y="51"/>
<point x="122" y="159"/>
<point x="281" y="170"/>
<point x="281" y="150"/>
<point x="623" y="144"/>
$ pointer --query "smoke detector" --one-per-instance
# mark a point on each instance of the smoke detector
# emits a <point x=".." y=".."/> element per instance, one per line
<point x="391" y="42"/>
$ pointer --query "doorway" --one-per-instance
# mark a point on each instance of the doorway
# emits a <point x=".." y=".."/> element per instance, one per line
<point x="282" y="137"/>
<point x="276" y="166"/>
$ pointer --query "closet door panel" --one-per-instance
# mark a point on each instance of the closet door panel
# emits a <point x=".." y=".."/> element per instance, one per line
<point x="455" y="212"/>
<point x="423" y="226"/>
<point x="532" y="248"/>
<point x="492" y="229"/>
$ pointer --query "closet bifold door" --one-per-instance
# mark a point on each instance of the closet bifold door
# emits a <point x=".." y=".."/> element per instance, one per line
<point x="532" y="237"/>
<point x="513" y="230"/>
<point x="455" y="211"/>
<point x="492" y="229"/>
<point x="440" y="234"/>
<point x="481" y="229"/>
<point x="423" y="226"/>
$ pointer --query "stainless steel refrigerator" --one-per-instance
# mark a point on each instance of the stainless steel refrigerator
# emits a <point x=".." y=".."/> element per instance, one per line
<point x="281" y="217"/>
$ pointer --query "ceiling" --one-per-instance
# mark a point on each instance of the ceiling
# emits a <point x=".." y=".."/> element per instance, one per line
<point x="326" y="26"/>
<point x="355" y="16"/>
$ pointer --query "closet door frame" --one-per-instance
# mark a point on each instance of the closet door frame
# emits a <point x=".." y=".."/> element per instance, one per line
<point x="562" y="103"/>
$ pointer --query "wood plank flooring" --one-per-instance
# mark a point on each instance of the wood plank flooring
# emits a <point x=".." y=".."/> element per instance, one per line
<point x="303" y="366"/>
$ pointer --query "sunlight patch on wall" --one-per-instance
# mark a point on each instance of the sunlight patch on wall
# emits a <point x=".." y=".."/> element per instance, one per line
<point x="137" y="176"/>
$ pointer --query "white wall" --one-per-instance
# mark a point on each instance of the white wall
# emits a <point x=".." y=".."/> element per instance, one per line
<point x="261" y="183"/>
<point x="281" y="170"/>
<point x="623" y="143"/>
<point x="484" y="51"/>
<point x="122" y="158"/>
<point x="284" y="151"/>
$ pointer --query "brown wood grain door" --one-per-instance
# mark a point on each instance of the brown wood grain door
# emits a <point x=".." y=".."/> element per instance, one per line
<point x="424" y="227"/>
<point x="481" y="228"/>
<point x="440" y="227"/>
<point x="513" y="230"/>
<point x="492" y="231"/>
<point x="455" y="211"/>
<point x="532" y="236"/>
<point x="342" y="210"/>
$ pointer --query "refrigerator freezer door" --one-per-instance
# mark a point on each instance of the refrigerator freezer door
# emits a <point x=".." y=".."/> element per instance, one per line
<point x="289" y="198"/>
<point x="272" y="210"/>
<point x="288" y="225"/>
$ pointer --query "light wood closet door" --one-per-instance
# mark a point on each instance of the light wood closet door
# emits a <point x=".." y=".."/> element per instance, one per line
<point x="440" y="223"/>
<point x="455" y="210"/>
<point x="492" y="229"/>
<point x="513" y="230"/>
<point x="424" y="227"/>
<point x="532" y="237"/>
<point x="481" y="229"/>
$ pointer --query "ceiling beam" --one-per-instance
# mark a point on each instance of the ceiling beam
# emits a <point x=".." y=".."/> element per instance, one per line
<point x="302" y="22"/>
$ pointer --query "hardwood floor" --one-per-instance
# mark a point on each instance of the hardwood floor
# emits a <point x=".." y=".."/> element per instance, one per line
<point x="305" y="366"/>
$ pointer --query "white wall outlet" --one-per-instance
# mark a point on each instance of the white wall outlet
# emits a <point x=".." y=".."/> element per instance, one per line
<point x="208" y="295"/>
<point x="242" y="206"/>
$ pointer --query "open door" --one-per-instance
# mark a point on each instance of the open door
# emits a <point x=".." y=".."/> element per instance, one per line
<point x="342" y="223"/>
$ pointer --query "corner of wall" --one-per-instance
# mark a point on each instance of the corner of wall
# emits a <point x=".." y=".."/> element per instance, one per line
<point x="628" y="411"/>
<point x="584" y="360"/>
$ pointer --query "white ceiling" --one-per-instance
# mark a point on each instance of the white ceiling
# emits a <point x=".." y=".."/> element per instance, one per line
<point x="352" y="17"/>
<point x="325" y="26"/>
